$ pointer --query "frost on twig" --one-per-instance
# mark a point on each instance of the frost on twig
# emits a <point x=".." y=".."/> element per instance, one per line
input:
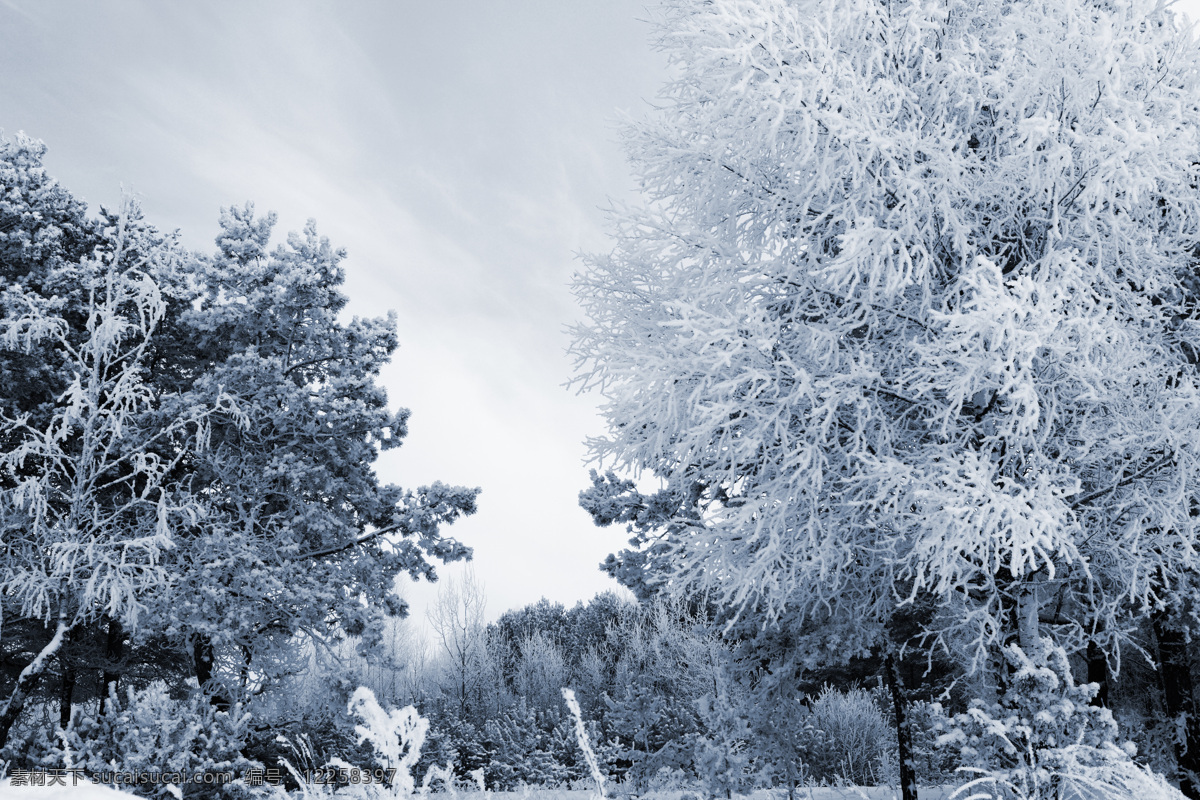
<point x="397" y="736"/>
<point x="584" y="745"/>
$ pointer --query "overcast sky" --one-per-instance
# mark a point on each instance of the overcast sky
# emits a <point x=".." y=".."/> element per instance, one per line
<point x="460" y="150"/>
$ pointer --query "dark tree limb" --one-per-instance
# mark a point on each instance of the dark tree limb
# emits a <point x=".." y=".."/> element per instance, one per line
<point x="203" y="659"/>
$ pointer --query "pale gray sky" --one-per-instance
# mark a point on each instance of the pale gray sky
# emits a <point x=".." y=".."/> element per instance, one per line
<point x="459" y="149"/>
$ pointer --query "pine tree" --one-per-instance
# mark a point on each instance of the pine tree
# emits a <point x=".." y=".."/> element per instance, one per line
<point x="298" y="529"/>
<point x="188" y="449"/>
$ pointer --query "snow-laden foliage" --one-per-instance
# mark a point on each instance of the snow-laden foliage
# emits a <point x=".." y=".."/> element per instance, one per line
<point x="187" y="451"/>
<point x="397" y="736"/>
<point x="1044" y="741"/>
<point x="94" y="501"/>
<point x="722" y="752"/>
<point x="91" y="497"/>
<point x="299" y="529"/>
<point x="909" y="310"/>
<point x="652" y="706"/>
<point x="847" y="739"/>
<point x="150" y="731"/>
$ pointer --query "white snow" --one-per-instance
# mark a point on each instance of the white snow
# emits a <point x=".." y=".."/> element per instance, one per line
<point x="82" y="791"/>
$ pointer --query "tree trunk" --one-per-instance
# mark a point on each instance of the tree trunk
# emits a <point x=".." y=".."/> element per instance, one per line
<point x="245" y="673"/>
<point x="998" y="670"/>
<point x="66" y="689"/>
<point x="1028" y="634"/>
<point x="114" y="651"/>
<point x="27" y="680"/>
<point x="202" y="657"/>
<point x="1097" y="673"/>
<point x="908" y="774"/>
<point x="1176" y="678"/>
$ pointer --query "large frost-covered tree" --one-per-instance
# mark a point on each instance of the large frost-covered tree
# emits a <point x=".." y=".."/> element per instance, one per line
<point x="909" y="312"/>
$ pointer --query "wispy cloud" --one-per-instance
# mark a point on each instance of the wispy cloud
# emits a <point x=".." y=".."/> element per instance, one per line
<point x="458" y="150"/>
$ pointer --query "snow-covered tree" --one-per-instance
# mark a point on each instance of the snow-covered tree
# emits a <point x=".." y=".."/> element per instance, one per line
<point x="299" y="530"/>
<point x="664" y="670"/>
<point x="187" y="448"/>
<point x="908" y="305"/>
<point x="90" y="498"/>
<point x="468" y="676"/>
<point x="541" y="672"/>
<point x="1043" y="739"/>
<point x="909" y="312"/>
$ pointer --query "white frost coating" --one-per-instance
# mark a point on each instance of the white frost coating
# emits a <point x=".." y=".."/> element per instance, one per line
<point x="439" y="773"/>
<point x="911" y="303"/>
<point x="480" y="783"/>
<point x="35" y="666"/>
<point x="396" y="736"/>
<point x="584" y="745"/>
<point x="80" y="535"/>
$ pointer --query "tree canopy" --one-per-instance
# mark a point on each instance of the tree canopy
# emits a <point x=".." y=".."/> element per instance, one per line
<point x="909" y="309"/>
<point x="189" y="446"/>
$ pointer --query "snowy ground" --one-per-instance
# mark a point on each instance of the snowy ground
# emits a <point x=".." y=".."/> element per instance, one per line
<point x="83" y="792"/>
<point x="815" y="793"/>
<point x="91" y="792"/>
